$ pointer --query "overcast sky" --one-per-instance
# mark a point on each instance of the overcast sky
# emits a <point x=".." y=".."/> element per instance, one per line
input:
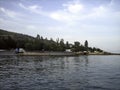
<point x="97" y="21"/>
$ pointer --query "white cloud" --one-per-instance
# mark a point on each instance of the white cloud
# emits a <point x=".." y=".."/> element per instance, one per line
<point x="99" y="11"/>
<point x="22" y="6"/>
<point x="73" y="8"/>
<point x="60" y="16"/>
<point x="33" y="8"/>
<point x="69" y="13"/>
<point x="72" y="13"/>
<point x="9" y="13"/>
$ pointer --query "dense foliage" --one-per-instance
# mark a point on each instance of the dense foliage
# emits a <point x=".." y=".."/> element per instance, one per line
<point x="11" y="40"/>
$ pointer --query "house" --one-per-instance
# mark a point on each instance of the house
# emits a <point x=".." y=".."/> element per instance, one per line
<point x="68" y="50"/>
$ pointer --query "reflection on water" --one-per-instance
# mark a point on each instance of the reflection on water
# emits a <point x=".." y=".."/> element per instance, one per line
<point x="59" y="73"/>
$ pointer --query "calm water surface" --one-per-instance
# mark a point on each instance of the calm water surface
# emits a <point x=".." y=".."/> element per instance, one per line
<point x="59" y="73"/>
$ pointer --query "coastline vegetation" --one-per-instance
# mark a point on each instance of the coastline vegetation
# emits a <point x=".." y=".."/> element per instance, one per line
<point x="12" y="40"/>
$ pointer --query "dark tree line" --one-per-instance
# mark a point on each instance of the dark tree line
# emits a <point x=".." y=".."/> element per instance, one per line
<point x="40" y="44"/>
<point x="11" y="40"/>
<point x="7" y="42"/>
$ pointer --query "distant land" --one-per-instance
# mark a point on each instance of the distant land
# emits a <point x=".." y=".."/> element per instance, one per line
<point x="12" y="40"/>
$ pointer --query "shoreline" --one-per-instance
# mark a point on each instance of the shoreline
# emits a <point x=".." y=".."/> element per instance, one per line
<point x="9" y="53"/>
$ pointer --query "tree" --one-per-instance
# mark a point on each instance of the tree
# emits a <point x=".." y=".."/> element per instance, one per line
<point x="38" y="37"/>
<point x="52" y="45"/>
<point x="2" y="43"/>
<point x="11" y="42"/>
<point x="29" y="46"/>
<point x="67" y="45"/>
<point x="82" y="48"/>
<point x="86" y="45"/>
<point x="62" y="45"/>
<point x="76" y="46"/>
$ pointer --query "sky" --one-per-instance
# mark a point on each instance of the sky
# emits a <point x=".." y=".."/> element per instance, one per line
<point x="97" y="21"/>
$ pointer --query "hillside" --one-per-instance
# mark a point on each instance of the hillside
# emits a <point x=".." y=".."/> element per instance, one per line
<point x="11" y="40"/>
<point x="15" y="35"/>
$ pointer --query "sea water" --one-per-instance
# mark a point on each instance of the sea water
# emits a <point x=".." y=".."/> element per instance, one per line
<point x="94" y="72"/>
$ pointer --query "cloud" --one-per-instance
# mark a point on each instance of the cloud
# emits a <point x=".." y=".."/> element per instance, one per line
<point x="73" y="7"/>
<point x="22" y="6"/>
<point x="60" y="16"/>
<point x="66" y="14"/>
<point x="71" y="11"/>
<point x="33" y="8"/>
<point x="77" y="13"/>
<point x="9" y="13"/>
<point x="12" y="15"/>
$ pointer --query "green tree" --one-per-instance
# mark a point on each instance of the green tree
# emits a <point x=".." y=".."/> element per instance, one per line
<point x="11" y="42"/>
<point x="76" y="46"/>
<point x="2" y="43"/>
<point x="86" y="45"/>
<point x="62" y="45"/>
<point x="52" y="45"/>
<point x="38" y="37"/>
<point x="82" y="48"/>
<point x="67" y="45"/>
